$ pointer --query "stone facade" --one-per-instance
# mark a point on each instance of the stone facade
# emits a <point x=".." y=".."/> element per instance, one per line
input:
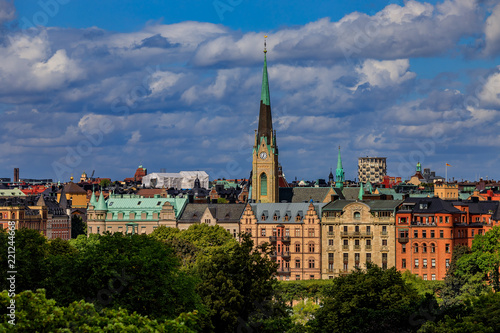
<point x="354" y="233"/>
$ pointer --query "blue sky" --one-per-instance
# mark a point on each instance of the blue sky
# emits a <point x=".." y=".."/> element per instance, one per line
<point x="107" y="86"/>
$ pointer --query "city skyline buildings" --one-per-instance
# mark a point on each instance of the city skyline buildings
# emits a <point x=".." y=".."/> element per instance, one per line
<point x="181" y="95"/>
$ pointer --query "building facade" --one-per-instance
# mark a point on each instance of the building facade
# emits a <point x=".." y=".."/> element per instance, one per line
<point x="128" y="213"/>
<point x="355" y="233"/>
<point x="372" y="169"/>
<point x="293" y="229"/>
<point x="226" y="216"/>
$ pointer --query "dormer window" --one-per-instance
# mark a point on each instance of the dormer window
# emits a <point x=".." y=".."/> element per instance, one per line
<point x="423" y="205"/>
<point x="275" y="217"/>
<point x="263" y="217"/>
<point x="357" y="215"/>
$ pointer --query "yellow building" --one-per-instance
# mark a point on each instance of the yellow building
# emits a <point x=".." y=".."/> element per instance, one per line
<point x="446" y="191"/>
<point x="355" y="232"/>
<point x="76" y="194"/>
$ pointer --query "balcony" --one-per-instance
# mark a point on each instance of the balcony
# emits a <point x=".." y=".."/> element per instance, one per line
<point x="345" y="247"/>
<point x="357" y="247"/>
<point x="284" y="255"/>
<point x="368" y="247"/>
<point x="356" y="234"/>
<point x="330" y="234"/>
<point x="423" y="224"/>
<point x="284" y="270"/>
<point x="274" y="239"/>
<point x="384" y="249"/>
<point x="403" y="240"/>
<point x="384" y="234"/>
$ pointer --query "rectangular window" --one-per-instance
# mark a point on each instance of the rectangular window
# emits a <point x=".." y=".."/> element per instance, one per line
<point x="297" y="263"/>
<point x="297" y="247"/>
<point x="425" y="277"/>
<point x="447" y="219"/>
<point x="330" y="242"/>
<point x="368" y="230"/>
<point x="432" y="233"/>
<point x="403" y="263"/>
<point x="403" y="248"/>
<point x="311" y="247"/>
<point x="424" y="263"/>
<point x="447" y="263"/>
<point x="441" y="219"/>
<point x="345" y="228"/>
<point x="433" y="263"/>
<point x="384" y="230"/>
<point x="311" y="232"/>
<point x="263" y="232"/>
<point x="311" y="263"/>
<point x="415" y="234"/>
<point x="447" y="248"/>
<point x="441" y="233"/>
<point x="416" y="263"/>
<point x="297" y="277"/>
<point x="368" y="257"/>
<point x="287" y="232"/>
<point x="433" y="277"/>
<point x="297" y="232"/>
<point x="472" y="233"/>
<point x="424" y="233"/>
<point x="384" y="242"/>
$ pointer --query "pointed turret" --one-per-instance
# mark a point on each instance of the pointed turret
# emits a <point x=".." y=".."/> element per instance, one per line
<point x="369" y="187"/>
<point x="63" y="201"/>
<point x="41" y="201"/>
<point x="361" y="192"/>
<point x="265" y="119"/>
<point x="93" y="200"/>
<point x="339" y="173"/>
<point x="101" y="204"/>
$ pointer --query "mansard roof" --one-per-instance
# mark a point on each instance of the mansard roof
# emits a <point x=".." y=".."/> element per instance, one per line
<point x="221" y="212"/>
<point x="375" y="205"/>
<point x="432" y="206"/>
<point x="280" y="210"/>
<point x="135" y="204"/>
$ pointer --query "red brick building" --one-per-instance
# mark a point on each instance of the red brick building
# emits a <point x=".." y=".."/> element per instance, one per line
<point x="427" y="229"/>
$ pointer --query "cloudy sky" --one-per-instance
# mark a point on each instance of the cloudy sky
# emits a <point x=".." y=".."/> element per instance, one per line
<point x="87" y="85"/>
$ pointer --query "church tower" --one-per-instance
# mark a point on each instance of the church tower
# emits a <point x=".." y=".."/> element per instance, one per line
<point x="265" y="178"/>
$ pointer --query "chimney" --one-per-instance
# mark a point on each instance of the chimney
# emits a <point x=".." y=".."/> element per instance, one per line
<point x="16" y="175"/>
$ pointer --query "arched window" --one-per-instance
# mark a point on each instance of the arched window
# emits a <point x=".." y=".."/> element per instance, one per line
<point x="263" y="184"/>
<point x="424" y="248"/>
<point x="357" y="215"/>
<point x="416" y="248"/>
<point x="433" y="248"/>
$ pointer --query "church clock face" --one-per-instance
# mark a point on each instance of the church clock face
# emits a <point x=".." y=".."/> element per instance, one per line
<point x="263" y="155"/>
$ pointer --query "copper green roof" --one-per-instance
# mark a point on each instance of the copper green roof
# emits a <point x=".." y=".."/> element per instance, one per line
<point x="101" y="204"/>
<point x="93" y="200"/>
<point x="264" y="95"/>
<point x="127" y="204"/>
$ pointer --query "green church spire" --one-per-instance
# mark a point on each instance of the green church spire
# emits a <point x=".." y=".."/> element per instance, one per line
<point x="264" y="96"/>
<point x="265" y="119"/>
<point x="361" y="192"/>
<point x="339" y="172"/>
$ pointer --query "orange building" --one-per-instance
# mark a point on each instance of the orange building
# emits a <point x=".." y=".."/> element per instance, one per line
<point x="428" y="229"/>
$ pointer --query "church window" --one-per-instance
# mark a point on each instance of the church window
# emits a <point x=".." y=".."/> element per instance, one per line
<point x="263" y="184"/>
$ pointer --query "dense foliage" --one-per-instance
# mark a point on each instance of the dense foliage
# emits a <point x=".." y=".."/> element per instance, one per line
<point x="203" y="280"/>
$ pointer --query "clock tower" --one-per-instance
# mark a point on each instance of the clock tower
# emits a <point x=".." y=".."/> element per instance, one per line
<point x="265" y="177"/>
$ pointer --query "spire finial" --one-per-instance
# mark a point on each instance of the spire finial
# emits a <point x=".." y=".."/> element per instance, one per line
<point x="265" y="43"/>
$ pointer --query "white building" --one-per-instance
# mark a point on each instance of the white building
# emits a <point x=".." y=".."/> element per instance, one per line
<point x="181" y="180"/>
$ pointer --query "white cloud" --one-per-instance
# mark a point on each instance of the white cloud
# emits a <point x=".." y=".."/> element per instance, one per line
<point x="384" y="73"/>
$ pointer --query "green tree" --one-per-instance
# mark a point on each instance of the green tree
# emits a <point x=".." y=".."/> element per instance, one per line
<point x="236" y="286"/>
<point x="374" y="300"/>
<point x="35" y="313"/>
<point x="29" y="249"/>
<point x="222" y="201"/>
<point x="78" y="227"/>
<point x="135" y="272"/>
<point x="481" y="315"/>
<point x="105" y="183"/>
<point x="304" y="311"/>
<point x="484" y="258"/>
